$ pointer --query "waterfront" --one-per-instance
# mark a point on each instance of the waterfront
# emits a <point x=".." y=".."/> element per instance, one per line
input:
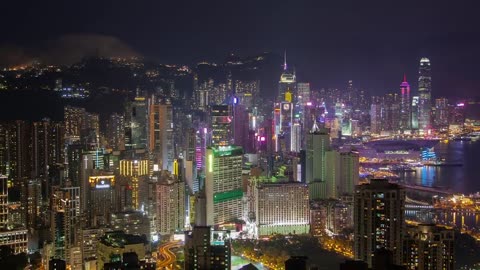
<point x="461" y="179"/>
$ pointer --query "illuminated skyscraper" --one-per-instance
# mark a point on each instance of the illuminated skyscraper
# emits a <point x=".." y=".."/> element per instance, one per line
<point x="116" y="131"/>
<point x="441" y="113"/>
<point x="136" y="123"/>
<point x="65" y="220"/>
<point x="429" y="247"/>
<point x="160" y="139"/>
<point x="424" y="92"/>
<point x="321" y="164"/>
<point x="74" y="118"/>
<point x="415" y="101"/>
<point x="223" y="184"/>
<point x="288" y="81"/>
<point x="170" y="198"/>
<point x="221" y="117"/>
<point x="102" y="202"/>
<point x="405" y="106"/>
<point x="136" y="172"/>
<point x="379" y="218"/>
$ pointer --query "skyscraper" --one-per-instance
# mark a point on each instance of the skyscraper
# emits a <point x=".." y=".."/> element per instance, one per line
<point x="379" y="218"/>
<point x="288" y="81"/>
<point x="221" y="117"/>
<point x="223" y="184"/>
<point x="160" y="139"/>
<point x="136" y="123"/>
<point x="405" y="106"/>
<point x="170" y="200"/>
<point x="429" y="247"/>
<point x="321" y="164"/>
<point x="424" y="92"/>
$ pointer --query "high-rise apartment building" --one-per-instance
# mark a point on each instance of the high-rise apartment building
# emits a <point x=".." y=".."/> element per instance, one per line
<point x="170" y="204"/>
<point x="348" y="174"/>
<point x="425" y="93"/>
<point x="223" y="184"/>
<point x="429" y="247"/>
<point x="3" y="201"/>
<point x="379" y="220"/>
<point x="281" y="208"/>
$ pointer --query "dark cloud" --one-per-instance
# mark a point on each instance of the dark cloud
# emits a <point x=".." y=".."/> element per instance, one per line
<point x="69" y="49"/>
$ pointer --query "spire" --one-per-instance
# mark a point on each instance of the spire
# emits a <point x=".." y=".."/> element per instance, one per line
<point x="404" y="77"/>
<point x="285" y="60"/>
<point x="315" y="127"/>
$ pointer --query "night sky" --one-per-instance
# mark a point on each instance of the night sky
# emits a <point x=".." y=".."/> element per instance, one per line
<point x="329" y="42"/>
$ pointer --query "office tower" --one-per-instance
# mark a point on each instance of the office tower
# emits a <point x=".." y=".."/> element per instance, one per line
<point x="190" y="160"/>
<point x="424" y="93"/>
<point x="170" y="204"/>
<point x="221" y="118"/>
<point x="379" y="218"/>
<point x="240" y="126"/>
<point x="303" y="90"/>
<point x="136" y="123"/>
<point x="74" y="119"/>
<point x="113" y="245"/>
<point x="65" y="220"/>
<point x="441" y="113"/>
<point x="288" y="81"/>
<point x="281" y="208"/>
<point x="376" y="126"/>
<point x="348" y="173"/>
<point x="223" y="184"/>
<point x="247" y="93"/>
<point x="405" y="106"/>
<point x="131" y="222"/>
<point x="321" y="165"/>
<point x="415" y="101"/>
<point x="207" y="249"/>
<point x="135" y="172"/>
<point x="160" y="142"/>
<point x="429" y="247"/>
<point x="283" y="121"/>
<point x="116" y="131"/>
<point x="102" y="199"/>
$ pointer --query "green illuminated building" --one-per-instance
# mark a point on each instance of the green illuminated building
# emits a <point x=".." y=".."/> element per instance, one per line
<point x="223" y="184"/>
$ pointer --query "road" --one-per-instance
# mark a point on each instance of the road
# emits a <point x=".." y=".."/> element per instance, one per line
<point x="166" y="258"/>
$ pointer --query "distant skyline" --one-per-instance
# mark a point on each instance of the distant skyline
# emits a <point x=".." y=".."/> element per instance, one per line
<point x="373" y="43"/>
